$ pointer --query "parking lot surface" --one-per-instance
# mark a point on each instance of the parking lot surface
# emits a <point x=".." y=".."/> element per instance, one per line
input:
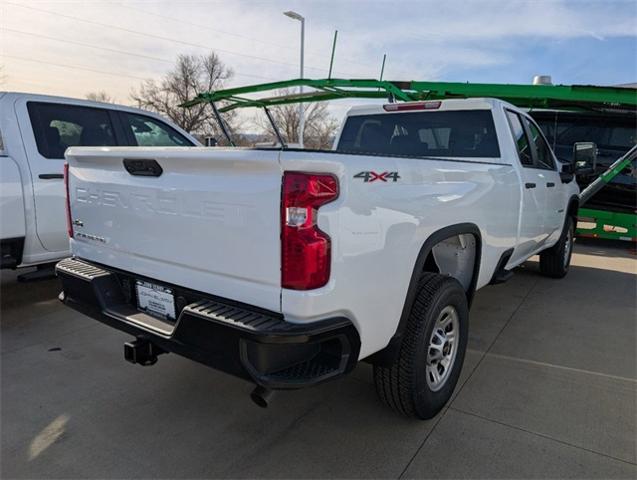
<point x="548" y="389"/>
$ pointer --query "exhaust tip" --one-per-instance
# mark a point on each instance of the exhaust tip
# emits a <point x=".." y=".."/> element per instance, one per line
<point x="261" y="396"/>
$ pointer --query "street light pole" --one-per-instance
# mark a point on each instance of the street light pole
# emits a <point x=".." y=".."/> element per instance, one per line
<point x="300" y="18"/>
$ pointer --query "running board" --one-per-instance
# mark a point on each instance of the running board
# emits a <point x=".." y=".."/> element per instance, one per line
<point x="501" y="275"/>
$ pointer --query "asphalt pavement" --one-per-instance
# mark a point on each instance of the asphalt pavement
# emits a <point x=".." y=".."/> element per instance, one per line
<point x="548" y="389"/>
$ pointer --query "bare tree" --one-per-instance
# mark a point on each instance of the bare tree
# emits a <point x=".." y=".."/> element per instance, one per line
<point x="320" y="126"/>
<point x="100" y="96"/>
<point x="192" y="74"/>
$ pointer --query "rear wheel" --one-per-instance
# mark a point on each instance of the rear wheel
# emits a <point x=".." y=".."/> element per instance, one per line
<point x="423" y="376"/>
<point x="555" y="261"/>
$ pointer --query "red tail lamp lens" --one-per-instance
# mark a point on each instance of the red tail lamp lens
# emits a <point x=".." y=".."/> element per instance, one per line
<point x="305" y="249"/>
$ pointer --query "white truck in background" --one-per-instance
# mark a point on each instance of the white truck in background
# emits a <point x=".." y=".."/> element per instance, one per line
<point x="286" y="267"/>
<point x="35" y="130"/>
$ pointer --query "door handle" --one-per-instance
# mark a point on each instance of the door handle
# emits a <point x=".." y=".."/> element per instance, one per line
<point x="529" y="185"/>
<point x="550" y="184"/>
<point x="50" y="176"/>
<point x="143" y="167"/>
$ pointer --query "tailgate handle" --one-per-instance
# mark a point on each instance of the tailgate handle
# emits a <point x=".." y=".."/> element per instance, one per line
<point x="143" y="167"/>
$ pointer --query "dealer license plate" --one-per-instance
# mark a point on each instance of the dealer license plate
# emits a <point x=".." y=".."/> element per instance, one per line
<point x="155" y="300"/>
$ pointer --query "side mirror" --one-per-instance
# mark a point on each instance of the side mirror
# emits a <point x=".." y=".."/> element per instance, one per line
<point x="584" y="158"/>
<point x="211" y="142"/>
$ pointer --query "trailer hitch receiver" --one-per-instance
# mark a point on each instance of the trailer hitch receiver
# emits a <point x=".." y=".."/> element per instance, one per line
<point x="142" y="352"/>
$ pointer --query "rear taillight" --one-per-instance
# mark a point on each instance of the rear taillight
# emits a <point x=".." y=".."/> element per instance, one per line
<point x="305" y="249"/>
<point x="69" y="224"/>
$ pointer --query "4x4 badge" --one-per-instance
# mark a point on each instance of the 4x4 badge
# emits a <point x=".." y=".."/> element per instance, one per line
<point x="369" y="177"/>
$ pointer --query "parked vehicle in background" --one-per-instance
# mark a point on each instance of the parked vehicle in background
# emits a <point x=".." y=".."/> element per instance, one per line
<point x="286" y="267"/>
<point x="613" y="133"/>
<point x="35" y="131"/>
<point x="611" y="212"/>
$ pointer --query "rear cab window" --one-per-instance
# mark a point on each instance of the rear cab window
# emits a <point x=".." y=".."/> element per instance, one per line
<point x="454" y="133"/>
<point x="58" y="126"/>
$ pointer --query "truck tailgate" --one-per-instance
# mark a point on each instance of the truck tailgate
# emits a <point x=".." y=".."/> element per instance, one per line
<point x="208" y="222"/>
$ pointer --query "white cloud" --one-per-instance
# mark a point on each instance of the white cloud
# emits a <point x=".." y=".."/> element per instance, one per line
<point x="423" y="39"/>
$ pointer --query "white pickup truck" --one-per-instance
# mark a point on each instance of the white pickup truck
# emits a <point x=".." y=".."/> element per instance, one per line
<point x="286" y="267"/>
<point x="35" y="130"/>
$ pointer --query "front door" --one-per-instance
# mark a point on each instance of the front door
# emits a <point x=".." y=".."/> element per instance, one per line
<point x="553" y="204"/>
<point x="531" y="231"/>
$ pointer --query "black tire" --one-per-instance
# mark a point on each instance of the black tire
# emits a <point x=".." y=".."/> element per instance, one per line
<point x="404" y="385"/>
<point x="554" y="261"/>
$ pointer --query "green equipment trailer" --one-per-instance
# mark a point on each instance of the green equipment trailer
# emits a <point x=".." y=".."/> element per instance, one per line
<point x="614" y="225"/>
<point x="594" y="102"/>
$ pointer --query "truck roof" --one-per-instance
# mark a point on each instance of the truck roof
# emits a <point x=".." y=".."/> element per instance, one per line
<point x="452" y="104"/>
<point x="38" y="97"/>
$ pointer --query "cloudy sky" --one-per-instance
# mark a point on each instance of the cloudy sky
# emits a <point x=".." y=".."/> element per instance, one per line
<point x="72" y="47"/>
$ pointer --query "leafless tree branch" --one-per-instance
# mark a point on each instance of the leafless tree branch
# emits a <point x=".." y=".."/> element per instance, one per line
<point x="191" y="75"/>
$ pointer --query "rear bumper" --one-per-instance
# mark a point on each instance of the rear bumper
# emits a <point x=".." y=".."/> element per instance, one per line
<point x="241" y="340"/>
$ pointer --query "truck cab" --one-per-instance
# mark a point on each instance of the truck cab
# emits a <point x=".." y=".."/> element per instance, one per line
<point x="472" y="130"/>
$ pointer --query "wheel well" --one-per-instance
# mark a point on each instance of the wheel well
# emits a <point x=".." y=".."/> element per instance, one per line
<point x="454" y="256"/>
<point x="456" y="251"/>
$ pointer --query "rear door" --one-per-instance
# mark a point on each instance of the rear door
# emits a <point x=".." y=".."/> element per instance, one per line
<point x="47" y="130"/>
<point x="531" y="230"/>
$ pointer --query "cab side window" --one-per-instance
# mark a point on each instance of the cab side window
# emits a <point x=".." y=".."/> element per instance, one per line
<point x="57" y="126"/>
<point x="149" y="132"/>
<point x="544" y="155"/>
<point x="521" y="140"/>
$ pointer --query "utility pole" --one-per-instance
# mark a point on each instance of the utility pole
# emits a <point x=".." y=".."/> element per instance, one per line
<point x="300" y="18"/>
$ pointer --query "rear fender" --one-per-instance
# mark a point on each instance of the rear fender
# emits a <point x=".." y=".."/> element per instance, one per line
<point x="387" y="355"/>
